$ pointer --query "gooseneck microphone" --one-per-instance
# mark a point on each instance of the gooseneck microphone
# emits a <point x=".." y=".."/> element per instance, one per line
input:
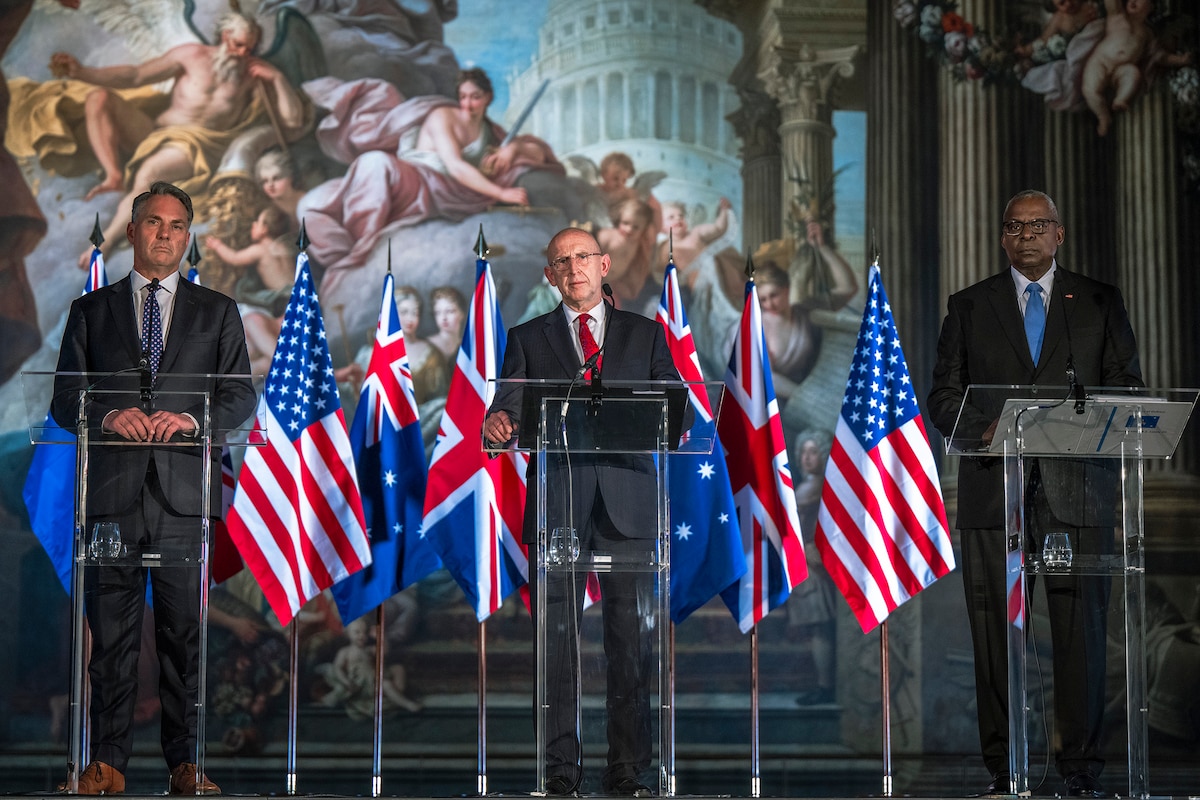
<point x="597" y="385"/>
<point x="1075" y="389"/>
<point x="146" y="382"/>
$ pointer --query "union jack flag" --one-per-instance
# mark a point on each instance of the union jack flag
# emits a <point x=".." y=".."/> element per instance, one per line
<point x="474" y="505"/>
<point x="225" y="562"/>
<point x="706" y="545"/>
<point x="760" y="476"/>
<point x="297" y="517"/>
<point x="881" y="527"/>
<point x="389" y="455"/>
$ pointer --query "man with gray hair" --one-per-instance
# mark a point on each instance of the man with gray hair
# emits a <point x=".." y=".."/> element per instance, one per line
<point x="1014" y="328"/>
<point x="151" y="491"/>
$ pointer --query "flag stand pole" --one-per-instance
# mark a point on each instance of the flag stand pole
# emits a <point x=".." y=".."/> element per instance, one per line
<point x="886" y="717"/>
<point x="755" y="767"/>
<point x="670" y="765"/>
<point x="482" y="782"/>
<point x="293" y="704"/>
<point x="377" y="737"/>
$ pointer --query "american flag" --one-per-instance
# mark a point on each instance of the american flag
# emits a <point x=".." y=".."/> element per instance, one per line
<point x="297" y="517"/>
<point x="760" y="476"/>
<point x="474" y="505"/>
<point x="881" y="527"/>
<point x="706" y="545"/>
<point x="389" y="455"/>
<point x="49" y="491"/>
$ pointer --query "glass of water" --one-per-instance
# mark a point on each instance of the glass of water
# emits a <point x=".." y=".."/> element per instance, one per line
<point x="1056" y="550"/>
<point x="564" y="546"/>
<point x="106" y="541"/>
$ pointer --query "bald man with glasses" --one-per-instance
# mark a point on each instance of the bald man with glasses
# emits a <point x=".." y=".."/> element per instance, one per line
<point x="1029" y="324"/>
<point x="615" y="495"/>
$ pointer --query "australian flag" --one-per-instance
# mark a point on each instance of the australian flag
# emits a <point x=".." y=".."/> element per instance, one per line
<point x="474" y="505"/>
<point x="706" y="545"/>
<point x="390" y="458"/>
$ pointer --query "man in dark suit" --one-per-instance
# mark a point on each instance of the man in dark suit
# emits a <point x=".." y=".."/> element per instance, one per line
<point x="151" y="323"/>
<point x="615" y="502"/>
<point x="1028" y="325"/>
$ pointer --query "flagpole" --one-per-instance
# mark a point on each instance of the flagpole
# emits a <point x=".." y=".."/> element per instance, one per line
<point x="293" y="704"/>
<point x="670" y="765"/>
<point x="377" y="738"/>
<point x="755" y="768"/>
<point x="885" y="681"/>
<point x="885" y="675"/>
<point x="482" y="649"/>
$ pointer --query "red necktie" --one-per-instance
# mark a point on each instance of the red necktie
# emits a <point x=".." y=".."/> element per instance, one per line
<point x="587" y="341"/>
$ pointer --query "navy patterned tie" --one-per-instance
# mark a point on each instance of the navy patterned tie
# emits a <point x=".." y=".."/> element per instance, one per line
<point x="152" y="337"/>
<point x="1035" y="320"/>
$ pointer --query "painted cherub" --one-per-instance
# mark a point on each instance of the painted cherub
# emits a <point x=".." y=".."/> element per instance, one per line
<point x="630" y="245"/>
<point x="1114" y="68"/>
<point x="1067" y="18"/>
<point x="351" y="676"/>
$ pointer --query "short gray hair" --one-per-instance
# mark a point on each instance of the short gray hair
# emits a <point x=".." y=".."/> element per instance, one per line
<point x="162" y="188"/>
<point x="1025" y="194"/>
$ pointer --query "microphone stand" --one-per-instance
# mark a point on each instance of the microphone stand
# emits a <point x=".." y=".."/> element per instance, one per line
<point x="597" y="384"/>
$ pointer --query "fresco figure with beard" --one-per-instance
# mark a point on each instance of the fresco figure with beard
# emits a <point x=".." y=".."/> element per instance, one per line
<point x="214" y="99"/>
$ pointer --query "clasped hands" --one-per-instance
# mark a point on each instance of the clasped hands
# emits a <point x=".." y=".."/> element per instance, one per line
<point x="498" y="428"/>
<point x="138" y="426"/>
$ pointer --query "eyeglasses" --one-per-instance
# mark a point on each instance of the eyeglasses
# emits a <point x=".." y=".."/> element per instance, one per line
<point x="1015" y="227"/>
<point x="563" y="264"/>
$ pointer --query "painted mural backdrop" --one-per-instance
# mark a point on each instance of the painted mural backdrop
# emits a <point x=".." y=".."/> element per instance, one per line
<point x="350" y="118"/>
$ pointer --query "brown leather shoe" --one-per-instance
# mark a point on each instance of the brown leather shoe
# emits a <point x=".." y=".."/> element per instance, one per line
<point x="184" y="781"/>
<point x="99" y="778"/>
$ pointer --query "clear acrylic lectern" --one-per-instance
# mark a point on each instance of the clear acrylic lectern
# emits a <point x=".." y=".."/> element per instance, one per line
<point x="1073" y="464"/>
<point x="219" y="405"/>
<point x="613" y="439"/>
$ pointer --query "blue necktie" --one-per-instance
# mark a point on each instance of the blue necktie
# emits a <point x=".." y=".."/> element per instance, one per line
<point x="152" y="338"/>
<point x="1035" y="320"/>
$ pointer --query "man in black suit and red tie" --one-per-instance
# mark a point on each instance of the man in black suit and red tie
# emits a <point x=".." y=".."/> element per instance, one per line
<point x="152" y="322"/>
<point x="1030" y="324"/>
<point x="615" y="496"/>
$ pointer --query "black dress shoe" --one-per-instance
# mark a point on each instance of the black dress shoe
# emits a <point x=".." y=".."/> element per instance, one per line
<point x="1084" y="784"/>
<point x="559" y="786"/>
<point x="630" y="787"/>
<point x="1001" y="785"/>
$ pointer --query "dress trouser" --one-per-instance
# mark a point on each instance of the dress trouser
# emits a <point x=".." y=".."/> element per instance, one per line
<point x="115" y="599"/>
<point x="1077" y="606"/>
<point x="627" y="606"/>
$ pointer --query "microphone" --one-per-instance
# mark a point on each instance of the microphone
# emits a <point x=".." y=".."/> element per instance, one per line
<point x="593" y="361"/>
<point x="597" y="385"/>
<point x="143" y="369"/>
<point x="1074" y="387"/>
<point x="589" y="364"/>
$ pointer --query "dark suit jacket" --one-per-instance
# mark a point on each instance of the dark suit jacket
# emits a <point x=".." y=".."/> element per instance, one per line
<point x="205" y="337"/>
<point x="635" y="349"/>
<point x="983" y="342"/>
